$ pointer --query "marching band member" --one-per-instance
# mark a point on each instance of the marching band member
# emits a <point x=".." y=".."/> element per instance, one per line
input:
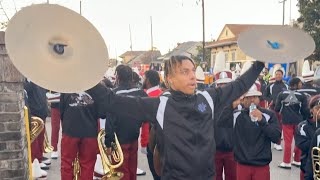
<point x="78" y="113"/>
<point x="37" y="101"/>
<point x="293" y="107"/>
<point x="254" y="130"/>
<point x="127" y="129"/>
<point x="271" y="94"/>
<point x="151" y="85"/>
<point x="305" y="132"/>
<point x="224" y="160"/>
<point x="315" y="141"/>
<point x="98" y="167"/>
<point x="308" y="76"/>
<point x="183" y="119"/>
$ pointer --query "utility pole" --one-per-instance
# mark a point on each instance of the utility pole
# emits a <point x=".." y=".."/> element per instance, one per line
<point x="151" y="34"/>
<point x="80" y="8"/>
<point x="290" y="13"/>
<point x="152" y="65"/>
<point x="283" y="10"/>
<point x="203" y="34"/>
<point x="130" y="38"/>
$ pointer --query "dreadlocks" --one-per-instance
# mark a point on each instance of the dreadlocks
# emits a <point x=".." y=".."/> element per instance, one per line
<point x="171" y="64"/>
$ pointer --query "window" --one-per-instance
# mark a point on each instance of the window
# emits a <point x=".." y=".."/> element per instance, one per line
<point x="233" y="55"/>
<point x="226" y="32"/>
<point x="226" y="53"/>
<point x="213" y="59"/>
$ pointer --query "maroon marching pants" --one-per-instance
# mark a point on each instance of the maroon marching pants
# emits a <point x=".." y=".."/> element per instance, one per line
<point x="87" y="149"/>
<point x="130" y="162"/>
<point x="224" y="161"/>
<point x="37" y="147"/>
<point x="246" y="172"/>
<point x="55" y="127"/>
<point x="288" y="133"/>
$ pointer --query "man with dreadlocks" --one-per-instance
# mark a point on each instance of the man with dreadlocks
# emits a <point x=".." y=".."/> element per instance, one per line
<point x="184" y="117"/>
<point x="305" y="132"/>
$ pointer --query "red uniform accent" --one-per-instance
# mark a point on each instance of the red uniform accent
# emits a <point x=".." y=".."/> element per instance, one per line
<point x="87" y="148"/>
<point x="245" y="172"/>
<point x="144" y="137"/>
<point x="288" y="132"/>
<point x="55" y="127"/>
<point x="225" y="163"/>
<point x="130" y="162"/>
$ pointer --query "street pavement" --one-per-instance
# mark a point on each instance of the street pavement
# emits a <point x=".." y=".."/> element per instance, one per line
<point x="276" y="173"/>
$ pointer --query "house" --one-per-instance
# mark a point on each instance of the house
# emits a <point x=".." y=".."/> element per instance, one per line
<point x="129" y="55"/>
<point x="145" y="60"/>
<point x="227" y="42"/>
<point x="187" y="48"/>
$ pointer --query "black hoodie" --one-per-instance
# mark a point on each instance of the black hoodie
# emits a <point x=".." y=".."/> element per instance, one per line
<point x="293" y="107"/>
<point x="127" y="129"/>
<point x="185" y="125"/>
<point x="272" y="91"/>
<point x="252" y="141"/>
<point x="303" y="137"/>
<point x="78" y="113"/>
<point x="315" y="142"/>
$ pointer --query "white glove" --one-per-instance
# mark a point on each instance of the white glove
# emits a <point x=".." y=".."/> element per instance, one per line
<point x="143" y="150"/>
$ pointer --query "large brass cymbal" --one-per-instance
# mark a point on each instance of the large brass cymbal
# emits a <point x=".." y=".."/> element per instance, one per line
<point x="276" y="44"/>
<point x="56" y="48"/>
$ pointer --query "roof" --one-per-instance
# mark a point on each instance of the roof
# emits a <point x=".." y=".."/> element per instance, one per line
<point x="146" y="58"/>
<point x="236" y="29"/>
<point x="132" y="53"/>
<point x="182" y="49"/>
<point x="224" y="42"/>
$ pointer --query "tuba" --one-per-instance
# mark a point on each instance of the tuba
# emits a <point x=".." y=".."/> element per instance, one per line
<point x="117" y="156"/>
<point x="37" y="126"/>
<point x="76" y="168"/>
<point x="47" y="148"/>
<point x="315" y="155"/>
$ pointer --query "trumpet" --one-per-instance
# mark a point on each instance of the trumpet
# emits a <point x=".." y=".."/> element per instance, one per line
<point x="47" y="148"/>
<point x="117" y="155"/>
<point x="315" y="154"/>
<point x="37" y="126"/>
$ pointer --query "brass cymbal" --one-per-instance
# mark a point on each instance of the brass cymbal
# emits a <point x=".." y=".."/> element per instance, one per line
<point x="56" y="48"/>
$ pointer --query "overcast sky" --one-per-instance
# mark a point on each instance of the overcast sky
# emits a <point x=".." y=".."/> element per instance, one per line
<point x="174" y="21"/>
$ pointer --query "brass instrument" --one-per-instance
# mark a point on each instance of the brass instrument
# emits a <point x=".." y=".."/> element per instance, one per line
<point x="76" y="168"/>
<point x="46" y="145"/>
<point x="117" y="155"/>
<point x="315" y="152"/>
<point x="37" y="126"/>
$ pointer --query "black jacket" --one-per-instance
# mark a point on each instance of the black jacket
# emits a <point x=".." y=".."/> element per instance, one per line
<point x="37" y="100"/>
<point x="272" y="91"/>
<point x="252" y="141"/>
<point x="78" y="113"/>
<point x="293" y="107"/>
<point x="127" y="129"/>
<point x="185" y="126"/>
<point x="223" y="134"/>
<point x="308" y="90"/>
<point x="303" y="137"/>
<point x="315" y="142"/>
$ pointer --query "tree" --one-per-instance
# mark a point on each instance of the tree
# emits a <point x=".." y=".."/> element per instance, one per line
<point x="310" y="20"/>
<point x="197" y="58"/>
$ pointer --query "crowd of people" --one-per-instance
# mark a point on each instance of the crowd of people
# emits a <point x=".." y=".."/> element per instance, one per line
<point x="221" y="132"/>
